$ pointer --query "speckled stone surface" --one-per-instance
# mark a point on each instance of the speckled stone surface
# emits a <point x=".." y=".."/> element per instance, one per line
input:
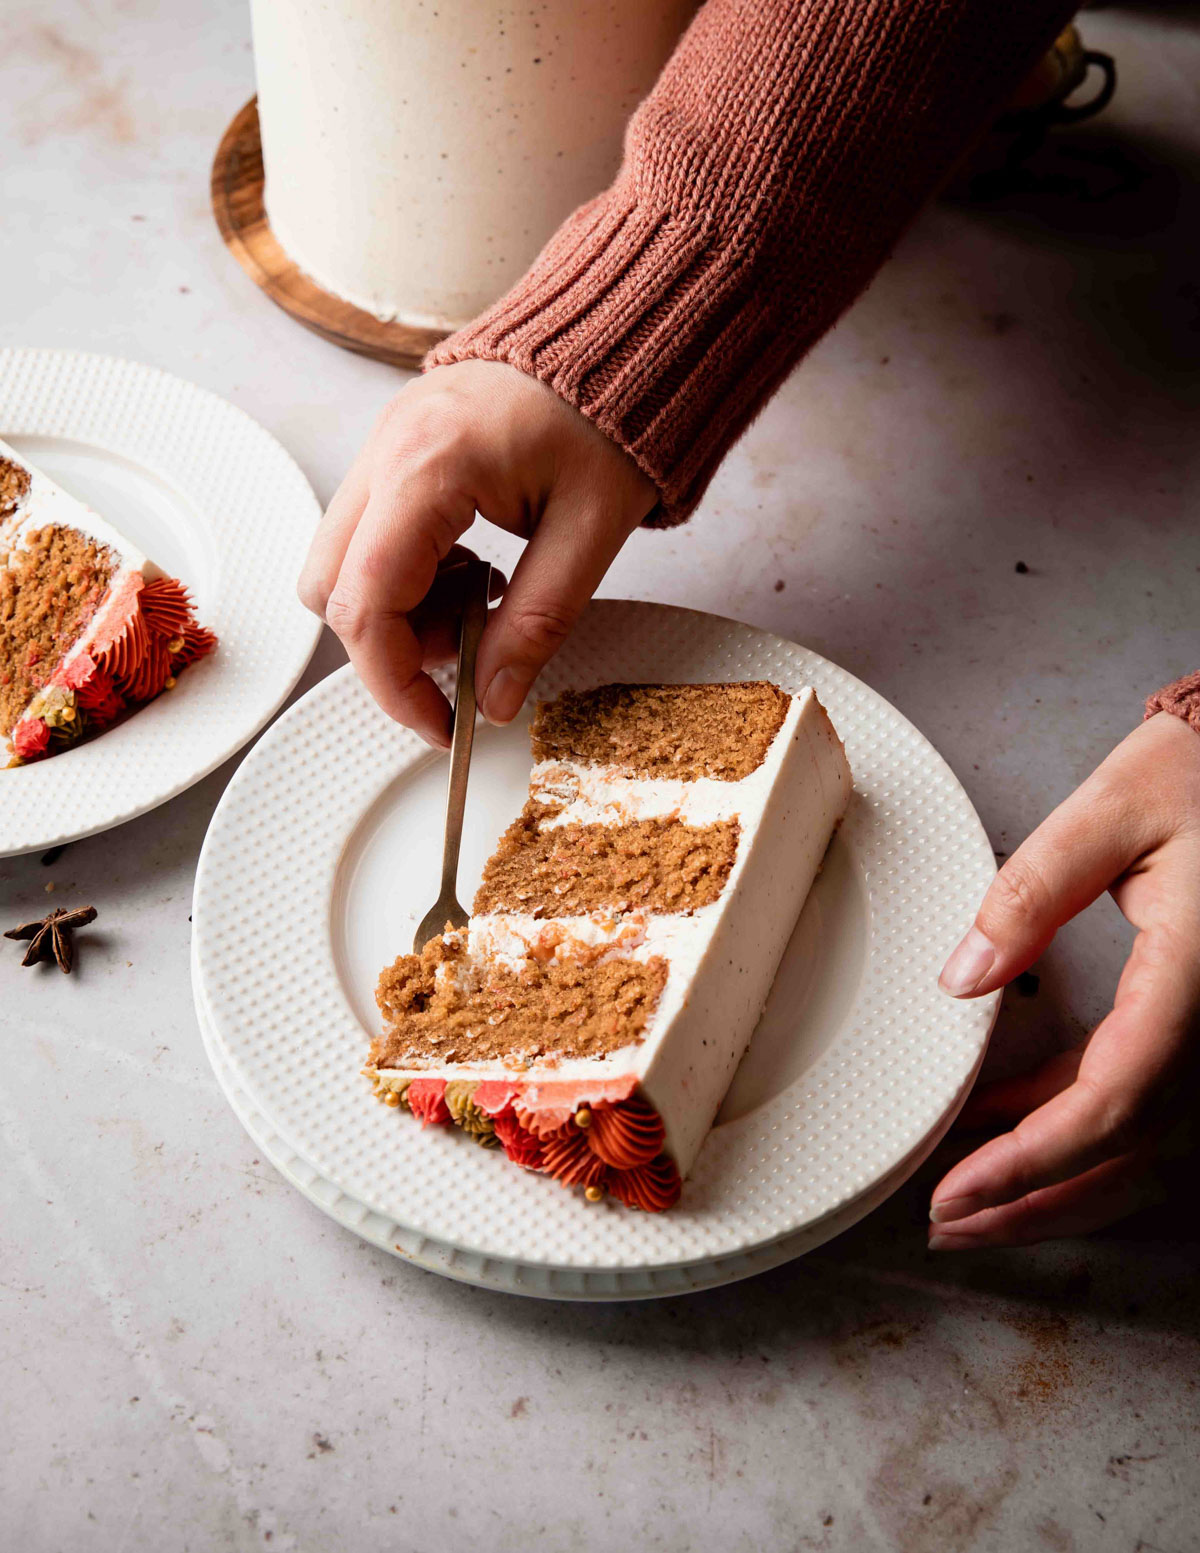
<point x="193" y="1357"/>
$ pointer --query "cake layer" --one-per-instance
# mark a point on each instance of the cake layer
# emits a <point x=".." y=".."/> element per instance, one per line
<point x="49" y="590"/>
<point x="89" y="626"/>
<point x="449" y="1006"/>
<point x="684" y="731"/>
<point x="551" y="869"/>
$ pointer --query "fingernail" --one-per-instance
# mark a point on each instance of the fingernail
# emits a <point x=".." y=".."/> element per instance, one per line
<point x="951" y="1208"/>
<point x="941" y="1243"/>
<point x="504" y="697"/>
<point x="968" y="965"/>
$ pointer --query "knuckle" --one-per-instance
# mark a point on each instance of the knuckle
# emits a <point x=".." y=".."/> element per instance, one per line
<point x="1018" y="891"/>
<point x="346" y="615"/>
<point x="543" y="627"/>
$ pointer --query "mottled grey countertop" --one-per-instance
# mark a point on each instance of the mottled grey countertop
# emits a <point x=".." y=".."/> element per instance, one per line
<point x="192" y="1356"/>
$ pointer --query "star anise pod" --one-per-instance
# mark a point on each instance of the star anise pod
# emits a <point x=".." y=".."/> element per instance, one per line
<point x="50" y="939"/>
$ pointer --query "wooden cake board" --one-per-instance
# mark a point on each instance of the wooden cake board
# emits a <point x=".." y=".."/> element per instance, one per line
<point x="237" y="200"/>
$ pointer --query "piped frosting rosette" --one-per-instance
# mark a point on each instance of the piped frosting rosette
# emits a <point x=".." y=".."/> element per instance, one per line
<point x="140" y="639"/>
<point x="603" y="1137"/>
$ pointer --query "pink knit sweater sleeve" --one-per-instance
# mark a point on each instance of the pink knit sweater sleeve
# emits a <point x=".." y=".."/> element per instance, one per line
<point x="766" y="178"/>
<point x="1182" y="699"/>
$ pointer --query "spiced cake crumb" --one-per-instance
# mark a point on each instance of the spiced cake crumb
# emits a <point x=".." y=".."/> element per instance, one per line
<point x="721" y="731"/>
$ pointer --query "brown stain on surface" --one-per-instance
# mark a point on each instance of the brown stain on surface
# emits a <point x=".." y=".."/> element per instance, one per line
<point x="922" y="1508"/>
<point x="1047" y="1374"/>
<point x="94" y="103"/>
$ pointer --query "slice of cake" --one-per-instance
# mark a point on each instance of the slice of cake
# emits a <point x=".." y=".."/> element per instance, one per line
<point x="89" y="628"/>
<point x="626" y="934"/>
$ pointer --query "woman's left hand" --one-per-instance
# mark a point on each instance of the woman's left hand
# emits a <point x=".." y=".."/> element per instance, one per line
<point x="1095" y="1127"/>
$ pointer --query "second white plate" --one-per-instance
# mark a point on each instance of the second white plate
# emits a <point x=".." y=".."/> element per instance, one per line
<point x="323" y="854"/>
<point x="216" y="501"/>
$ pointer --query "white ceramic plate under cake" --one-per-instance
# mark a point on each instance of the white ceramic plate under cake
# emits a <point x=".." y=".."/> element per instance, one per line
<point x="216" y="501"/>
<point x="550" y="1283"/>
<point x="323" y="855"/>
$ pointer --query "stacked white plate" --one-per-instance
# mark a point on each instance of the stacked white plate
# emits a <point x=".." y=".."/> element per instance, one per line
<point x="325" y="853"/>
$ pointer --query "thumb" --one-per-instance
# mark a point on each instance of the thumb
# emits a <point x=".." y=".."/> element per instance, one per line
<point x="561" y="567"/>
<point x="1070" y="860"/>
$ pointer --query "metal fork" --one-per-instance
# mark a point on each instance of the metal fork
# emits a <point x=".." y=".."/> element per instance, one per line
<point x="446" y="909"/>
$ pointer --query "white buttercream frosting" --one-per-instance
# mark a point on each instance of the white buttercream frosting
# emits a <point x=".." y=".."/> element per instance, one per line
<point x="417" y="156"/>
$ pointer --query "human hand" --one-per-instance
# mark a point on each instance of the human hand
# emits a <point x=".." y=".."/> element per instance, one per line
<point x="477" y="435"/>
<point x="1093" y="1125"/>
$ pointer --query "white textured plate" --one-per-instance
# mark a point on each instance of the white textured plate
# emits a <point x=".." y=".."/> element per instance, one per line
<point x="215" y="500"/>
<point x="321" y="859"/>
<point x="548" y="1283"/>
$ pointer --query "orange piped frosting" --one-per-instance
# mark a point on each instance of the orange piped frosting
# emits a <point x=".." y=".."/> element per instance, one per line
<point x="567" y="1158"/>
<point x="626" y="1135"/>
<point x="654" y="1187"/>
<point x="198" y="640"/>
<point x="166" y="607"/>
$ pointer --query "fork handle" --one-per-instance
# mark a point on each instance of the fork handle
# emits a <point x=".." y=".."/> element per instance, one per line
<point x="475" y="612"/>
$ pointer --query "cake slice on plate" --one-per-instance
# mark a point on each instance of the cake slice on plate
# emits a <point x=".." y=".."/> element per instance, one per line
<point x="89" y="627"/>
<point x="626" y="934"/>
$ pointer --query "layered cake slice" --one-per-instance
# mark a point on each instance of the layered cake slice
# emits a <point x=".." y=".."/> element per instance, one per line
<point x="623" y="942"/>
<point x="89" y="627"/>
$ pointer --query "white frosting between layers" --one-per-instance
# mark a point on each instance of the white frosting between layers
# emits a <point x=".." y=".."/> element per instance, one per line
<point x="602" y="795"/>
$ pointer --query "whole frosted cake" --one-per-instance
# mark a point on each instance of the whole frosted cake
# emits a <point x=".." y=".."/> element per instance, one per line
<point x="89" y="627"/>
<point x="625" y="936"/>
<point x="417" y="156"/>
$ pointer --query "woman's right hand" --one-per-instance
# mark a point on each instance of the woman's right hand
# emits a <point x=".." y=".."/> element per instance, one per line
<point x="475" y="436"/>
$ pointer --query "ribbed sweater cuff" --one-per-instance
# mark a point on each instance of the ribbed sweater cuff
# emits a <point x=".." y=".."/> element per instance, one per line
<point x="1181" y="699"/>
<point x="609" y="294"/>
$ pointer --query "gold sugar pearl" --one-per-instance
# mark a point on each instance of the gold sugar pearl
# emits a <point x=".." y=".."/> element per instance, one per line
<point x="594" y="1193"/>
<point x="391" y="1098"/>
<point x="170" y="682"/>
<point x="175" y="644"/>
<point x="583" y="1117"/>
